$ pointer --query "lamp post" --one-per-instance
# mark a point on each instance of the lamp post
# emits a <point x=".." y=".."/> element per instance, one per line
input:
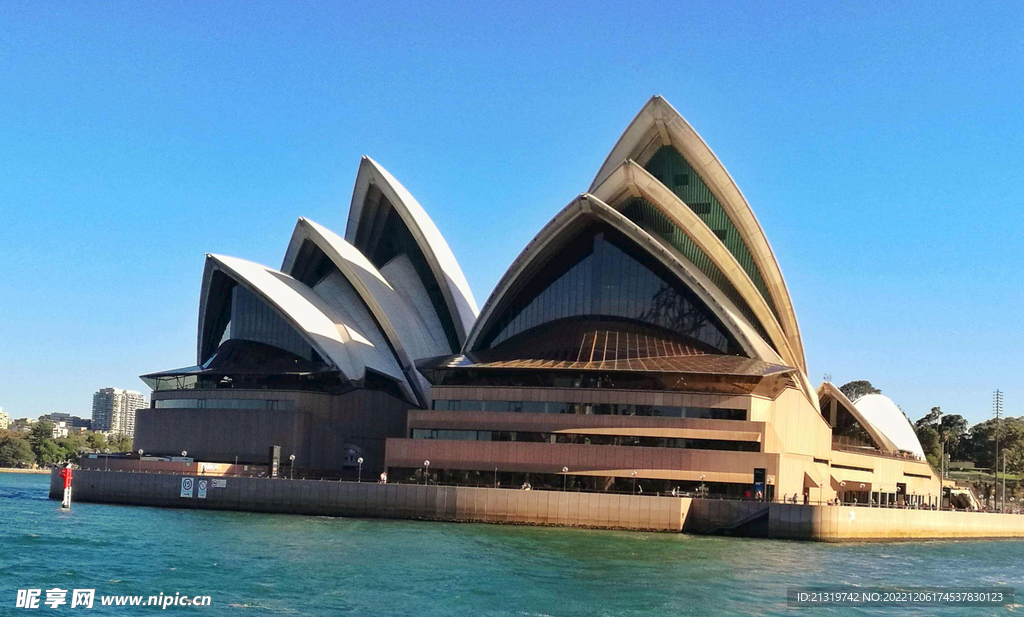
<point x="140" y="459"/>
<point x="565" y="477"/>
<point x="634" y="481"/>
<point x="495" y="477"/>
<point x="291" y="465"/>
<point x="360" y="476"/>
<point x="703" y="489"/>
<point x="1003" y="509"/>
<point x="426" y="472"/>
<point x="842" y="485"/>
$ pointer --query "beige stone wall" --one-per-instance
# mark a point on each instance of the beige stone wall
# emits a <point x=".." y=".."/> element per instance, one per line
<point x="886" y="473"/>
<point x="798" y="426"/>
<point x="368" y="499"/>
<point x="601" y="510"/>
<point x="588" y="460"/>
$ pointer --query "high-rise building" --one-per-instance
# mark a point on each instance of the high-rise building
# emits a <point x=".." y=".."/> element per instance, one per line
<point x="113" y="410"/>
<point x="5" y="420"/>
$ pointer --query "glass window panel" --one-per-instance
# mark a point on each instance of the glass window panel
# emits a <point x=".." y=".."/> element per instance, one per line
<point x="624" y="282"/>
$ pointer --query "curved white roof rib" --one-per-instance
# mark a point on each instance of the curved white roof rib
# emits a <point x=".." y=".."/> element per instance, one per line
<point x="342" y="342"/>
<point x="659" y="124"/>
<point x="880" y="412"/>
<point x="880" y="438"/>
<point x="443" y="265"/>
<point x="564" y="226"/>
<point x="629" y="180"/>
<point x="403" y="326"/>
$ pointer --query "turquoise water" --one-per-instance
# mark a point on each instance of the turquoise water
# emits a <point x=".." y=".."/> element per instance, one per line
<point x="259" y="564"/>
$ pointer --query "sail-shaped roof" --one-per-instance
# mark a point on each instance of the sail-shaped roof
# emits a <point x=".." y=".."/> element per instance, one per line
<point x="393" y="231"/>
<point x="662" y="142"/>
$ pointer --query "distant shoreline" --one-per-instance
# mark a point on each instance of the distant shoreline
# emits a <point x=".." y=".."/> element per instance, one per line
<point x="14" y="470"/>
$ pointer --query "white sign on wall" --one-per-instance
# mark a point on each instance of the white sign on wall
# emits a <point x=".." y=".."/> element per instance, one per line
<point x="186" y="487"/>
<point x="201" y="486"/>
<point x="220" y="483"/>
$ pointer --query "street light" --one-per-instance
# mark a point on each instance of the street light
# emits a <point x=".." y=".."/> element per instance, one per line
<point x="426" y="472"/>
<point x="842" y="485"/>
<point x="634" y="481"/>
<point x="140" y="459"/>
<point x="360" y="461"/>
<point x="703" y="489"/>
<point x="565" y="477"/>
<point x="291" y="465"/>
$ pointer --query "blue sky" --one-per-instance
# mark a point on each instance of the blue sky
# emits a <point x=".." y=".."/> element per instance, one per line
<point x="880" y="146"/>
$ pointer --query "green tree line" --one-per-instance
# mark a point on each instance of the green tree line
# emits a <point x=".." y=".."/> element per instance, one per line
<point x="38" y="447"/>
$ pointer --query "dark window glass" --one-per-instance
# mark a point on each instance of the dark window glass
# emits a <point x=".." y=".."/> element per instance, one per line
<point x="244" y="316"/>
<point x="586" y="439"/>
<point x="849" y="432"/>
<point x="620" y="409"/>
<point x="681" y="179"/>
<point x="667" y="160"/>
<point x="655" y="222"/>
<point x="625" y="283"/>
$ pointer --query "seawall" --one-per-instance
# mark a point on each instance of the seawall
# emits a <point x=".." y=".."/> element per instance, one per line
<point x="569" y="509"/>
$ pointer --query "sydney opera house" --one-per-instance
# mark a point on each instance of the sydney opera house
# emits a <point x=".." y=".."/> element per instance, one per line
<point x="644" y="340"/>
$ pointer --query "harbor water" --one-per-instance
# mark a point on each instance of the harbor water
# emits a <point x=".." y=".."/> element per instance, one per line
<point x="261" y="564"/>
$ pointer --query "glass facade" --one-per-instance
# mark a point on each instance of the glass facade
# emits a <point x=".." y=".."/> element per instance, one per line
<point x="614" y="409"/>
<point x="602" y="274"/>
<point x="224" y="403"/>
<point x="849" y="432"/>
<point x="652" y="220"/>
<point x="244" y="316"/>
<point x="769" y="386"/>
<point x="672" y="170"/>
<point x="587" y="439"/>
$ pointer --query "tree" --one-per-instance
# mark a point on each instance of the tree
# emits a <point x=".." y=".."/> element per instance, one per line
<point x="73" y="445"/>
<point x="40" y="432"/>
<point x="980" y="441"/>
<point x="952" y="430"/>
<point x="856" y="389"/>
<point x="15" y="451"/>
<point x="46" y="449"/>
<point x="49" y="453"/>
<point x="931" y="418"/>
<point x="120" y="443"/>
<point x="97" y="441"/>
<point x="929" y="438"/>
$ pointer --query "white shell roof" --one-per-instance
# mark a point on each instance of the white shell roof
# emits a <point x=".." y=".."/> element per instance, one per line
<point x="884" y="415"/>
<point x="439" y="255"/>
<point x="404" y="328"/>
<point x="333" y="335"/>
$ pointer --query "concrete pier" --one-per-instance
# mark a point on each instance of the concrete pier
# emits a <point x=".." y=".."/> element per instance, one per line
<point x="558" y="508"/>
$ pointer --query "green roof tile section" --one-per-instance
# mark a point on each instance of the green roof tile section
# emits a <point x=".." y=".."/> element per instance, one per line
<point x="672" y="170"/>
<point x="654" y="221"/>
